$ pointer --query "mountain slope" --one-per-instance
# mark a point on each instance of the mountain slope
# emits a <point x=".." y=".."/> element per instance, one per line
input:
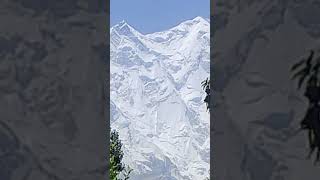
<point x="157" y="101"/>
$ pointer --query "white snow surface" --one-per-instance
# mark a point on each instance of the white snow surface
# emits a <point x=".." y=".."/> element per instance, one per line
<point x="157" y="101"/>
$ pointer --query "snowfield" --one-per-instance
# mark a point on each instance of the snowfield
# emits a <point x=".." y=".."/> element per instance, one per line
<point x="157" y="101"/>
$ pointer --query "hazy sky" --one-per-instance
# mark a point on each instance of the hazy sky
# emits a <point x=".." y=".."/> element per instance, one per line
<point x="155" y="15"/>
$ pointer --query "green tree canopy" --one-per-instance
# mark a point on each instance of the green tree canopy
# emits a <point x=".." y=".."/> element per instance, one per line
<point x="117" y="168"/>
<point x="206" y="87"/>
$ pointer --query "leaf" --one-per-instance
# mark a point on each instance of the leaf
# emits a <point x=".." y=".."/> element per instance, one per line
<point x="310" y="58"/>
<point x="316" y="67"/>
<point x="301" y="80"/>
<point x="302" y="72"/>
<point x="205" y="84"/>
<point x="298" y="64"/>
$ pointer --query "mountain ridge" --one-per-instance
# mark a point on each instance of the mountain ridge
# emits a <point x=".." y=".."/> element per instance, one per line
<point x="124" y="22"/>
<point x="156" y="99"/>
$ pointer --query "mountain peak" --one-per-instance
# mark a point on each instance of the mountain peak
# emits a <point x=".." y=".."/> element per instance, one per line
<point x="195" y="21"/>
<point x="151" y="75"/>
<point x="123" y="28"/>
<point x="123" y="23"/>
<point x="192" y="23"/>
<point x="199" y="18"/>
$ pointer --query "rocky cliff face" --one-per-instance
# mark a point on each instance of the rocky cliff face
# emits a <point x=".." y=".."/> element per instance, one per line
<point x="257" y="107"/>
<point x="157" y="101"/>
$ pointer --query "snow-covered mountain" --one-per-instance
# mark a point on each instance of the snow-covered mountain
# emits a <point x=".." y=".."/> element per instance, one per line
<point x="157" y="101"/>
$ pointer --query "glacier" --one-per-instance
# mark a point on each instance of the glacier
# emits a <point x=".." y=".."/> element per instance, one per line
<point x="156" y="100"/>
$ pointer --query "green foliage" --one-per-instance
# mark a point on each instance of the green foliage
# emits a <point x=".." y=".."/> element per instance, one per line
<point x="206" y="87"/>
<point x="126" y="173"/>
<point x="308" y="70"/>
<point x="116" y="155"/>
<point x="305" y="67"/>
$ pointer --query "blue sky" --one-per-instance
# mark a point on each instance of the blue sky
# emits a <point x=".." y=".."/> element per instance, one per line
<point x="156" y="15"/>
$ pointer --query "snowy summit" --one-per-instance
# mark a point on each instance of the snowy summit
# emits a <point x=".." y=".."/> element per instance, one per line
<point x="157" y="101"/>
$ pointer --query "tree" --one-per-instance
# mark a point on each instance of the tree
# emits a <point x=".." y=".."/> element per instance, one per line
<point x="206" y="87"/>
<point x="311" y="122"/>
<point x="116" y="155"/>
<point x="303" y="73"/>
<point x="126" y="173"/>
